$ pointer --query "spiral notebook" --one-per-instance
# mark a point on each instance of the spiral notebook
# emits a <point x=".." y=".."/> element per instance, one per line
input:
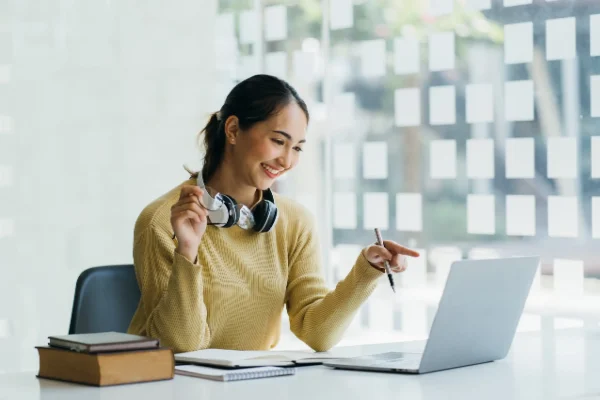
<point x="226" y="375"/>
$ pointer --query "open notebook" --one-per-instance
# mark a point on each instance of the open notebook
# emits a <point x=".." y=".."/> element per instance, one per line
<point x="240" y="359"/>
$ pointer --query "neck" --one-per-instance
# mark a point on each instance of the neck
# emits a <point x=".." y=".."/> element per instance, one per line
<point x="225" y="181"/>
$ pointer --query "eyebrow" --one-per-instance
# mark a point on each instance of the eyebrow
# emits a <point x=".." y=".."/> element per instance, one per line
<point x="287" y="135"/>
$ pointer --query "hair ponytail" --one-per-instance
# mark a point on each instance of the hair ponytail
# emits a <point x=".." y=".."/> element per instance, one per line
<point x="214" y="146"/>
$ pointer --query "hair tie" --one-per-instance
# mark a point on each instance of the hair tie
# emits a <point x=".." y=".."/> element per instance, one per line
<point x="219" y="115"/>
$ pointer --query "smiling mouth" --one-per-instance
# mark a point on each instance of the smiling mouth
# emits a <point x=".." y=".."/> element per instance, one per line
<point x="272" y="173"/>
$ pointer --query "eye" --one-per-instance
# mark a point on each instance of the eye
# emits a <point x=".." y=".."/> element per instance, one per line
<point x="298" y="149"/>
<point x="278" y="141"/>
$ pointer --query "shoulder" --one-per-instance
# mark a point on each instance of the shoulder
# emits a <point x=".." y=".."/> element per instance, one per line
<point x="293" y="215"/>
<point x="156" y="216"/>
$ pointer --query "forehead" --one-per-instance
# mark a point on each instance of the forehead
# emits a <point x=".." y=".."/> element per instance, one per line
<point x="290" y="119"/>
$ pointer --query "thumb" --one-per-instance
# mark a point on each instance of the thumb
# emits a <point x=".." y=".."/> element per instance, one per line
<point x="376" y="254"/>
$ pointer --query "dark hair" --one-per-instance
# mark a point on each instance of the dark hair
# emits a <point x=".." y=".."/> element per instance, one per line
<point x="253" y="100"/>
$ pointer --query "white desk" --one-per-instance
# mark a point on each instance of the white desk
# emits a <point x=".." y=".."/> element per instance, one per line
<point x="548" y="365"/>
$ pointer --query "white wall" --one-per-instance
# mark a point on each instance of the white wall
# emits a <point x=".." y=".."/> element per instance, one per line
<point x="106" y="98"/>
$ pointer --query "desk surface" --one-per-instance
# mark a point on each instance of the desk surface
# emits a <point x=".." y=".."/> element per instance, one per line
<point x="542" y="365"/>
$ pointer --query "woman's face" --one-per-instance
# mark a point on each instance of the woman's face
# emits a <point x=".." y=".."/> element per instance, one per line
<point x="270" y="148"/>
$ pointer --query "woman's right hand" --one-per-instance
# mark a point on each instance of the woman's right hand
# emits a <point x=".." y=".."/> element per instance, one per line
<point x="189" y="219"/>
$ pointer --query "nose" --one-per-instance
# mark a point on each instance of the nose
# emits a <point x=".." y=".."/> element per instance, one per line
<point x="286" y="159"/>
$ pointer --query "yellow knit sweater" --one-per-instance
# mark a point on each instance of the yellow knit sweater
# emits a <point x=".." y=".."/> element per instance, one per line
<point x="233" y="297"/>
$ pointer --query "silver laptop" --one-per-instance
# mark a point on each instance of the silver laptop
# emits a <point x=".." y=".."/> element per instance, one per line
<point x="475" y="322"/>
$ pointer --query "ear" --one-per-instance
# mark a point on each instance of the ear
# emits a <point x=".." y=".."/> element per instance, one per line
<point x="232" y="128"/>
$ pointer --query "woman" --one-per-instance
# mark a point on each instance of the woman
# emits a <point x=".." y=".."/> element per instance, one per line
<point x="205" y="286"/>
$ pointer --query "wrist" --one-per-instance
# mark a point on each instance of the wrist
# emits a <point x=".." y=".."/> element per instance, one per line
<point x="190" y="254"/>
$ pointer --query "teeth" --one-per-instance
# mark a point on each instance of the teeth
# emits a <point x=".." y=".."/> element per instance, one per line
<point x="271" y="170"/>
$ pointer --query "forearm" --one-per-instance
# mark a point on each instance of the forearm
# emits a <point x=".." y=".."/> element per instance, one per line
<point x="179" y="318"/>
<point x="322" y="318"/>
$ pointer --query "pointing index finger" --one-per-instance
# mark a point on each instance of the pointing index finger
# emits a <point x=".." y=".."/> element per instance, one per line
<point x="395" y="247"/>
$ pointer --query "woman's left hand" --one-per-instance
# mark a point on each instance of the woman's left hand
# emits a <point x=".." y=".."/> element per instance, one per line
<point x="390" y="251"/>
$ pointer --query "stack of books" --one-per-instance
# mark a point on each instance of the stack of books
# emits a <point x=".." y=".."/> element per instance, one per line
<point x="104" y="359"/>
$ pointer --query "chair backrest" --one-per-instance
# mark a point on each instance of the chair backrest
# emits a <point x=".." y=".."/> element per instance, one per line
<point x="105" y="299"/>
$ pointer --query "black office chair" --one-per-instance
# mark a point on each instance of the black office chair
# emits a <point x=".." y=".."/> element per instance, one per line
<point x="105" y="299"/>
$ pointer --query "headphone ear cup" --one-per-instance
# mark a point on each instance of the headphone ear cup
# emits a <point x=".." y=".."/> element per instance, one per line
<point x="232" y="211"/>
<point x="265" y="216"/>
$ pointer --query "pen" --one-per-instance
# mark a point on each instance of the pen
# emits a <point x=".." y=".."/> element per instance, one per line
<point x="388" y="271"/>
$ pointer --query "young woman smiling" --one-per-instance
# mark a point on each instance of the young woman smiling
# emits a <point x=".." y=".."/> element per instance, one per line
<point x="205" y="286"/>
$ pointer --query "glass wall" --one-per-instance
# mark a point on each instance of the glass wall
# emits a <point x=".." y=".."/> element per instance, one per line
<point x="463" y="128"/>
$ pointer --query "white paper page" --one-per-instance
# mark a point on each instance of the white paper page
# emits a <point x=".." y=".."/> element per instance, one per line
<point x="225" y="26"/>
<point x="7" y="227"/>
<point x="520" y="158"/>
<point x="344" y="161"/>
<point x="344" y="210"/>
<point x="276" y="64"/>
<point x="560" y="39"/>
<point x="372" y="58"/>
<point x="479" y="4"/>
<point x="568" y="276"/>
<point x="207" y="371"/>
<point x="6" y="176"/>
<point x="441" y="7"/>
<point x="563" y="216"/>
<point x="518" y="43"/>
<point x="511" y="3"/>
<point x="275" y="23"/>
<point x="343" y="112"/>
<point x="595" y="94"/>
<point x="481" y="214"/>
<point x="482" y="253"/>
<point x="375" y="162"/>
<point x="480" y="158"/>
<point x="520" y="215"/>
<point x="248" y="27"/>
<point x="409" y="212"/>
<point x="595" y="156"/>
<point x="6" y="124"/>
<point x="562" y="157"/>
<point x="406" y="55"/>
<point x="341" y="14"/>
<point x="407" y="107"/>
<point x="596" y="217"/>
<point x="480" y="103"/>
<point x="442" y="159"/>
<point x="5" y="75"/>
<point x="441" y="51"/>
<point x="442" y="105"/>
<point x="595" y="35"/>
<point x="518" y="101"/>
<point x="375" y="211"/>
<point x="305" y="66"/>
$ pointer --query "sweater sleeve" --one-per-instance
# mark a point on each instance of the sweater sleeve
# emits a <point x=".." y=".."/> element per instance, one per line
<point x="318" y="316"/>
<point x="172" y="307"/>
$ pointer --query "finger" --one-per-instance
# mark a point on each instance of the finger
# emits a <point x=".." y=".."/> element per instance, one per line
<point x="190" y="206"/>
<point x="187" y="214"/>
<point x="187" y="190"/>
<point x="396" y="248"/>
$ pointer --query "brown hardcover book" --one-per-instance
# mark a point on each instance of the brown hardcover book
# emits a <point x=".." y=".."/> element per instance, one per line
<point x="103" y="341"/>
<point x="105" y="369"/>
